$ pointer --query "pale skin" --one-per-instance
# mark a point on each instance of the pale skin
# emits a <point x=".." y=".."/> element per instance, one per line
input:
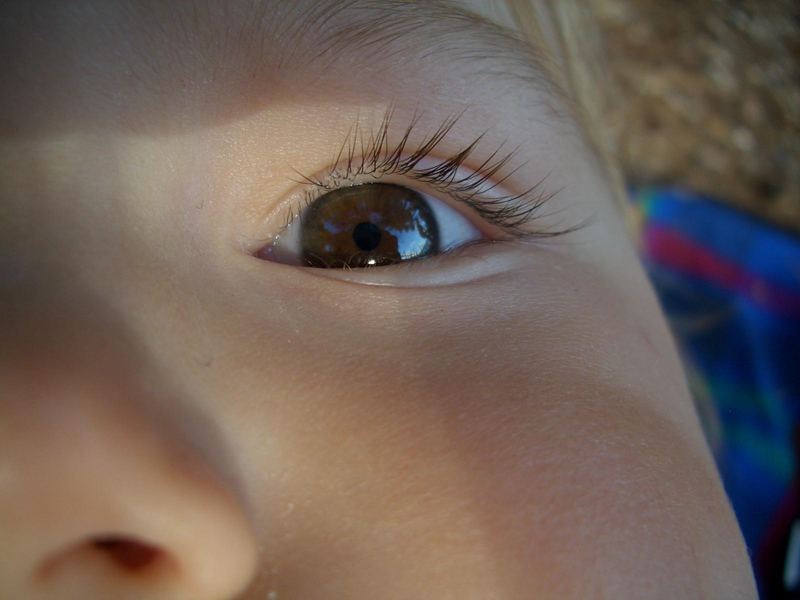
<point x="509" y="422"/>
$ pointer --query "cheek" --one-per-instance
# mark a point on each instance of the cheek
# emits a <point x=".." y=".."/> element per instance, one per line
<point x="526" y="431"/>
<point x="546" y="443"/>
<point x="529" y="433"/>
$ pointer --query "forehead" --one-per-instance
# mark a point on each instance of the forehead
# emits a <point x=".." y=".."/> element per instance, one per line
<point x="162" y="66"/>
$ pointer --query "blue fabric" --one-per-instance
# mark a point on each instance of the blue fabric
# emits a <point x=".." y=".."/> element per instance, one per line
<point x="730" y="286"/>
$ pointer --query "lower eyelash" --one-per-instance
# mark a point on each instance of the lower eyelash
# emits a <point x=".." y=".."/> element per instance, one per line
<point x="372" y="157"/>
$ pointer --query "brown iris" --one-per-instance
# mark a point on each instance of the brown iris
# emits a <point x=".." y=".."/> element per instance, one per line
<point x="368" y="225"/>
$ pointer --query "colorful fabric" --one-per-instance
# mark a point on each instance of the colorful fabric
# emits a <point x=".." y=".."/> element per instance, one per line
<point x="730" y="286"/>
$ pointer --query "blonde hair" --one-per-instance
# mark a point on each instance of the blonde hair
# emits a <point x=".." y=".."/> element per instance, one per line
<point x="576" y="40"/>
<point x="580" y="69"/>
<point x="567" y="31"/>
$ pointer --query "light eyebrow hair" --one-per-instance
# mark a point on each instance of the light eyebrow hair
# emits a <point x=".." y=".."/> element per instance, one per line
<point x="402" y="30"/>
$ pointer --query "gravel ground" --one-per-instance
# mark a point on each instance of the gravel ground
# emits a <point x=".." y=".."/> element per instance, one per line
<point x="707" y="93"/>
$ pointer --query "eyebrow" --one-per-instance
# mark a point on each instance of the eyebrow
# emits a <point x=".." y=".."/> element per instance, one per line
<point x="127" y="65"/>
<point x="390" y="30"/>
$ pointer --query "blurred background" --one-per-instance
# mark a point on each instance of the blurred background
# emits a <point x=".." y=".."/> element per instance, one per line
<point x="707" y="94"/>
<point x="702" y="108"/>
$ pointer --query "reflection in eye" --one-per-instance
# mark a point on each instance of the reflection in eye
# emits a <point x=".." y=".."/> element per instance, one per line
<point x="370" y="225"/>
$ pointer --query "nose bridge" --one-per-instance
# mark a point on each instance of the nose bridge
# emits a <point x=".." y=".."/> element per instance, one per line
<point x="110" y="482"/>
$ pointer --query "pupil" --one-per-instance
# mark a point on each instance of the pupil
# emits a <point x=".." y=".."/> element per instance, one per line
<point x="367" y="225"/>
<point x="367" y="236"/>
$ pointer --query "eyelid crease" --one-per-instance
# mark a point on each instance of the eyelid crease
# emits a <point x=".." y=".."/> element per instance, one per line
<point x="372" y="157"/>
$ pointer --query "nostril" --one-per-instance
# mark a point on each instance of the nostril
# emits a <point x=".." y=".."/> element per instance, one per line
<point x="127" y="553"/>
<point x="122" y="554"/>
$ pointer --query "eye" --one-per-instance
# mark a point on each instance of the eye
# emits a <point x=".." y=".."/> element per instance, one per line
<point x="370" y="225"/>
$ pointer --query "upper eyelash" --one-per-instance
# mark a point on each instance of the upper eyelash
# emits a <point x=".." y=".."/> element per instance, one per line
<point x="374" y="156"/>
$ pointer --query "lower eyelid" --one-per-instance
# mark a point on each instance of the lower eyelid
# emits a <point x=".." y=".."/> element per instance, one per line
<point x="463" y="265"/>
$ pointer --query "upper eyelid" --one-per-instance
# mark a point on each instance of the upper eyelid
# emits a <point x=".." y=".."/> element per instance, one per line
<point x="375" y="156"/>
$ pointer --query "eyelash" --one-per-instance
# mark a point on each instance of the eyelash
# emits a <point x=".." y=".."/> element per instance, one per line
<point x="374" y="157"/>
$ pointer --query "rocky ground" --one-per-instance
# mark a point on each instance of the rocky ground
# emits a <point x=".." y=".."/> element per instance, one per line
<point x="707" y="93"/>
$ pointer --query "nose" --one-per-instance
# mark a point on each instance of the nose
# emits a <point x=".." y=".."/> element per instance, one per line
<point x="109" y="486"/>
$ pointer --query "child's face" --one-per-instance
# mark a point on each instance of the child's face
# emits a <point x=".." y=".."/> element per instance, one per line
<point x="183" y="417"/>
